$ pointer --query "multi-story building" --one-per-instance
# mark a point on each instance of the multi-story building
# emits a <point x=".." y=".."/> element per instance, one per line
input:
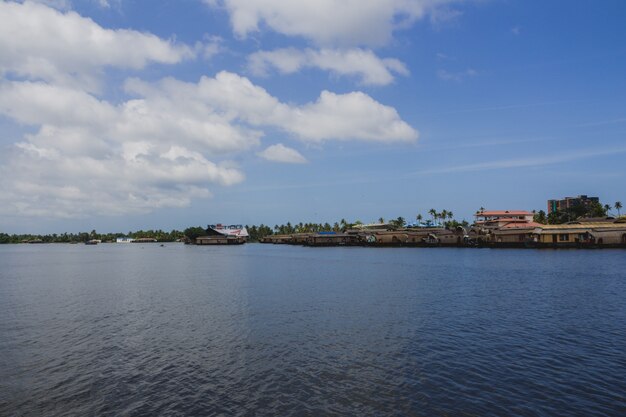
<point x="570" y="202"/>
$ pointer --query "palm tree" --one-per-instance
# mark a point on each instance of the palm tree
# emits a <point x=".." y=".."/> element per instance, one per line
<point x="443" y="215"/>
<point x="450" y="215"/>
<point x="618" y="207"/>
<point x="607" y="208"/>
<point x="433" y="213"/>
<point x="418" y="218"/>
<point x="381" y="220"/>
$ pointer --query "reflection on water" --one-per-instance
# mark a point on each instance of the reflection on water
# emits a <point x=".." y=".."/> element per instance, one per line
<point x="138" y="329"/>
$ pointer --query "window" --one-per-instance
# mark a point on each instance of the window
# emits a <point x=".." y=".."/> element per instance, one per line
<point x="563" y="238"/>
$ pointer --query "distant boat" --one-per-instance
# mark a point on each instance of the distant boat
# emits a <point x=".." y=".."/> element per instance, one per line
<point x="224" y="235"/>
<point x="93" y="242"/>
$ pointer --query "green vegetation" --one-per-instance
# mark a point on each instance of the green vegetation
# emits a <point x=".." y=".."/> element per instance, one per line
<point x="540" y="217"/>
<point x="194" y="232"/>
<point x="576" y="212"/>
<point x="159" y="235"/>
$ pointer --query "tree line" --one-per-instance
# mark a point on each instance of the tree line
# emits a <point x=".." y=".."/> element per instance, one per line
<point x="159" y="235"/>
<point x="591" y="210"/>
<point x="443" y="218"/>
<point x="258" y="232"/>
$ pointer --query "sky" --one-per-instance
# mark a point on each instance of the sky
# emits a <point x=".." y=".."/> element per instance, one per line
<point x="121" y="115"/>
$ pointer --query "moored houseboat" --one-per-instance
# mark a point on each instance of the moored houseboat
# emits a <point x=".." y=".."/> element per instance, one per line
<point x="608" y="233"/>
<point x="223" y="235"/>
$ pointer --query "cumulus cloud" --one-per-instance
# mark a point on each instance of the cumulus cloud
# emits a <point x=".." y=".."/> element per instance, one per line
<point x="351" y="116"/>
<point x="281" y="153"/>
<point x="347" y="117"/>
<point x="166" y="142"/>
<point x="39" y="42"/>
<point x="356" y="62"/>
<point x="328" y="22"/>
<point x="332" y="116"/>
<point x="89" y="156"/>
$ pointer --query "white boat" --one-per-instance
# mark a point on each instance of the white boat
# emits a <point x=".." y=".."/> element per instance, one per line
<point x="232" y="230"/>
<point x="218" y="234"/>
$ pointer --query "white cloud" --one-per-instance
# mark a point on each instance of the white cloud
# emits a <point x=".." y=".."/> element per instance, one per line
<point x="166" y="142"/>
<point x="329" y="22"/>
<point x="348" y="117"/>
<point x="51" y="174"/>
<point x="281" y="153"/>
<point x="360" y="63"/>
<point x="38" y="42"/>
<point x="456" y="76"/>
<point x="57" y="4"/>
<point x="352" y="116"/>
<point x="528" y="162"/>
<point x="444" y="15"/>
<point x="132" y="157"/>
<point x="211" y="47"/>
<point x="89" y="156"/>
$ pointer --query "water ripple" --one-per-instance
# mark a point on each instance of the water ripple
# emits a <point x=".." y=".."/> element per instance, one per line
<point x="265" y="330"/>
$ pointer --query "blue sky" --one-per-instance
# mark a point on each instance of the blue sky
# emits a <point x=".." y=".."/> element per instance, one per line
<point x="124" y="115"/>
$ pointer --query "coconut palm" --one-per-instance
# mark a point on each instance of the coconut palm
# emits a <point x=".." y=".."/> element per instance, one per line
<point x="381" y="220"/>
<point x="433" y="213"/>
<point x="400" y="222"/>
<point x="607" y="208"/>
<point x="443" y="215"/>
<point x="618" y="207"/>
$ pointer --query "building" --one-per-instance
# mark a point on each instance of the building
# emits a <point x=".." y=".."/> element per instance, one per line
<point x="570" y="202"/>
<point x="502" y="227"/>
<point x="499" y="218"/>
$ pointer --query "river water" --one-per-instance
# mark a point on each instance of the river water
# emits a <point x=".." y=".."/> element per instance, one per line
<point x="270" y="330"/>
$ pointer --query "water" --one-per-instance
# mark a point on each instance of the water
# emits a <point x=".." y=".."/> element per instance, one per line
<point x="143" y="330"/>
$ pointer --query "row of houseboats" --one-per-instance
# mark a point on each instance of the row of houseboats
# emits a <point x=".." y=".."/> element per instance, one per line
<point x="491" y="229"/>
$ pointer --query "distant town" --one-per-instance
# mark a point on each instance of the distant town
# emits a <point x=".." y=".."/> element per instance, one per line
<point x="580" y="221"/>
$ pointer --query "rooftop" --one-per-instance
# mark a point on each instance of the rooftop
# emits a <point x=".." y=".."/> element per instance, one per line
<point x="488" y="213"/>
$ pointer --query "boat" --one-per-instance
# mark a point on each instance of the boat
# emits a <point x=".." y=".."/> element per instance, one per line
<point x="218" y="234"/>
<point x="93" y="242"/>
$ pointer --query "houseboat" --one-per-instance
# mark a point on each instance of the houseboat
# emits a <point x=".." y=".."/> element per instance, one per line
<point x="219" y="234"/>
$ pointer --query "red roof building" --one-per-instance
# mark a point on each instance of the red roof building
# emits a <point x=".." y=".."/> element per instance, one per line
<point x="504" y="218"/>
